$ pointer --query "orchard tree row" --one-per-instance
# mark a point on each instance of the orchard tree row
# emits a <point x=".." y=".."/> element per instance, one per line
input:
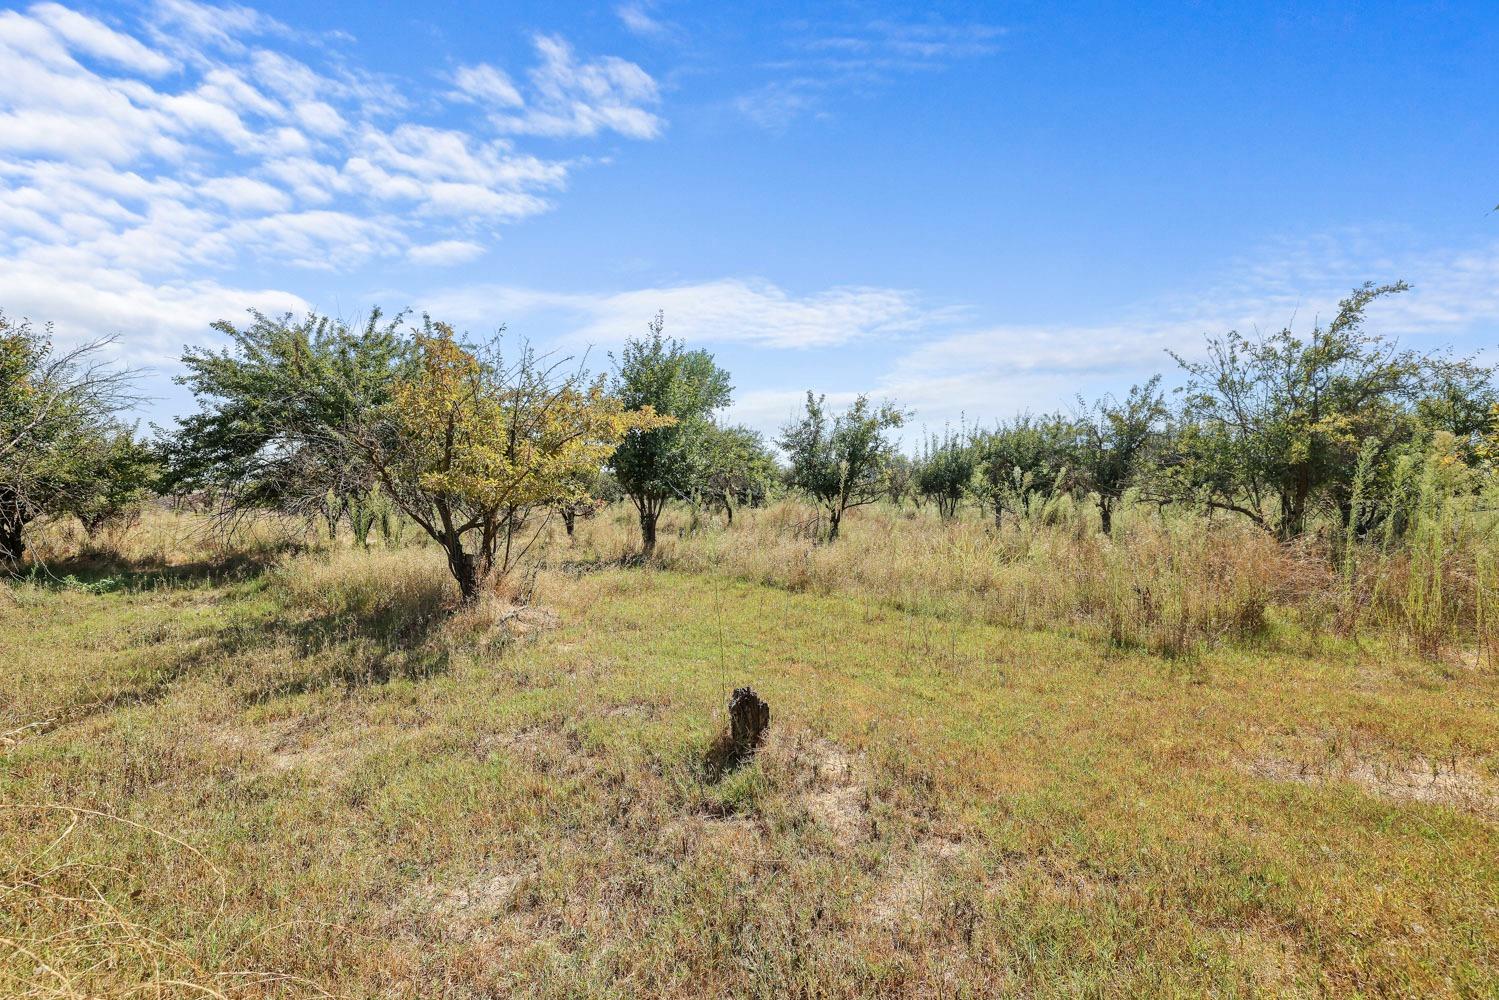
<point x="479" y="443"/>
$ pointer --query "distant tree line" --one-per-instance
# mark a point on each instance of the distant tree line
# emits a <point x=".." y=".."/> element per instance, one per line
<point x="479" y="444"/>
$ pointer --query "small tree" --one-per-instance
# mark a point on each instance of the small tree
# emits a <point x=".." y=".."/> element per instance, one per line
<point x="1112" y="437"/>
<point x="840" y="461"/>
<point x="1020" y="462"/>
<point x="472" y="448"/>
<point x="113" y="477"/>
<point x="594" y="491"/>
<point x="738" y="469"/>
<point x="55" y="409"/>
<point x="1274" y="426"/>
<point x="945" y="471"/>
<point x="659" y="462"/>
<point x="900" y="481"/>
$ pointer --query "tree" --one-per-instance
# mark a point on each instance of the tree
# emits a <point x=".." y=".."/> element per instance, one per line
<point x="1274" y="426"/>
<point x="945" y="471"/>
<point x="655" y="464"/>
<point x="900" y="481"/>
<point x="1111" y="442"/>
<point x="738" y="469"/>
<point x="274" y="408"/>
<point x="55" y="406"/>
<point x="840" y="461"/>
<point x="1021" y="461"/>
<point x="594" y="491"/>
<point x="114" y="475"/>
<point x="471" y="447"/>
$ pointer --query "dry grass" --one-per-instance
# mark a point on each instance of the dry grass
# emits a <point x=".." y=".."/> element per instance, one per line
<point x="1171" y="585"/>
<point x="987" y="774"/>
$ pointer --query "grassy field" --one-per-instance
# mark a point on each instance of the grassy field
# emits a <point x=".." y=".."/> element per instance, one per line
<point x="300" y="776"/>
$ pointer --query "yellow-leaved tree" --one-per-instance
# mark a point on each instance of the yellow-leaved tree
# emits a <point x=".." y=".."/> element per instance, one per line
<point x="478" y="450"/>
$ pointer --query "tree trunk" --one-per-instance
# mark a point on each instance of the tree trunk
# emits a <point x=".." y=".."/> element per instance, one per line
<point x="569" y="520"/>
<point x="648" y="516"/>
<point x="466" y="572"/>
<point x="12" y="547"/>
<point x="728" y="506"/>
<point x="1106" y="515"/>
<point x="834" y="516"/>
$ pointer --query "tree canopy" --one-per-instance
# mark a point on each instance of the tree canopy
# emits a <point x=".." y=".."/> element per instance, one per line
<point x="657" y="464"/>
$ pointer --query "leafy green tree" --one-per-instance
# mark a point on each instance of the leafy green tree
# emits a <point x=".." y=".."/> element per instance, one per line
<point x="1112" y="437"/>
<point x="275" y="408"/>
<point x="1274" y="426"/>
<point x="945" y="471"/>
<point x="655" y="465"/>
<point x="472" y="447"/>
<point x="840" y="460"/>
<point x="1022" y="461"/>
<point x="738" y="470"/>
<point x="900" y="481"/>
<point x="55" y="409"/>
<point x="114" y="475"/>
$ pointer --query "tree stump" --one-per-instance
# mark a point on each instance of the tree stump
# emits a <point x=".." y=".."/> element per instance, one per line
<point x="749" y="717"/>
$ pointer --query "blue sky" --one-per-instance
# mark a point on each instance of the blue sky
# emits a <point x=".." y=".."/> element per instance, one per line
<point x="975" y="210"/>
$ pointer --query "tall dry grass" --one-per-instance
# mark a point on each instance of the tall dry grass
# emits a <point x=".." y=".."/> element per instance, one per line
<point x="1170" y="582"/>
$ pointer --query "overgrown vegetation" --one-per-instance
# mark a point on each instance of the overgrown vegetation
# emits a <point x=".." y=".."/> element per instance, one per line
<point x="355" y="682"/>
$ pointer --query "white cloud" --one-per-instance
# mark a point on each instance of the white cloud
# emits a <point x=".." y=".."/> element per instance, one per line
<point x="821" y="61"/>
<point x="246" y="195"/>
<point x="637" y="17"/>
<point x="145" y="158"/>
<point x="445" y="253"/>
<point x="84" y="34"/>
<point x="483" y="83"/>
<point x="726" y="311"/>
<point x="572" y="98"/>
<point x="153" y="320"/>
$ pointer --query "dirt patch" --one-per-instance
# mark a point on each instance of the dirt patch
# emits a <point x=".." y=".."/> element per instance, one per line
<point x="634" y="709"/>
<point x="1456" y="784"/>
<point x="294" y="745"/>
<point x="473" y="908"/>
<point x="831" y="785"/>
<point x="911" y="881"/>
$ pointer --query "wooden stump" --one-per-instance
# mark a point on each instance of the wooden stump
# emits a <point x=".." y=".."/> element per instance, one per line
<point x="749" y="717"/>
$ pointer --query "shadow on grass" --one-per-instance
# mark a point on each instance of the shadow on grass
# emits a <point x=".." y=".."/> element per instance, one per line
<point x="105" y="574"/>
<point x="581" y="567"/>
<point x="339" y="650"/>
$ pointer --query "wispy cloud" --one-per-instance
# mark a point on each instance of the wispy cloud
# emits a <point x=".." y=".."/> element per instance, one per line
<point x="821" y="62"/>
<point x="568" y="97"/>
<point x="198" y="140"/>
<point x="640" y="18"/>
<point x="726" y="311"/>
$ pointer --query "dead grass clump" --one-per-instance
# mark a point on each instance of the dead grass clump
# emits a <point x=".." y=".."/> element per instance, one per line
<point x="402" y="585"/>
<point x="71" y="927"/>
<point x="471" y="907"/>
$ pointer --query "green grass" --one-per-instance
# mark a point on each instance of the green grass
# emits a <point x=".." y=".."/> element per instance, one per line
<point x="946" y="807"/>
